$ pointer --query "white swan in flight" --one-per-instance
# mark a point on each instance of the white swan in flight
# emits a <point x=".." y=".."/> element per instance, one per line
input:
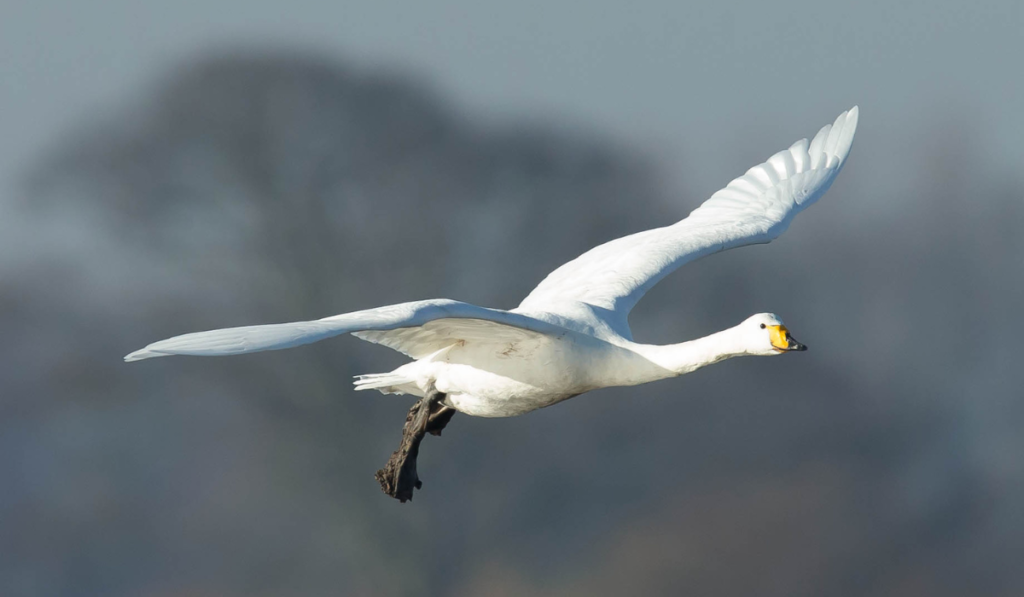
<point x="570" y="335"/>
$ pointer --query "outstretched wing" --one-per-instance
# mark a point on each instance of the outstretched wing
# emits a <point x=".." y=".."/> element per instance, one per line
<point x="256" y="338"/>
<point x="755" y="208"/>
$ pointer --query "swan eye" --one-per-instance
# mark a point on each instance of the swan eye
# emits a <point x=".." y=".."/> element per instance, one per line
<point x="763" y="326"/>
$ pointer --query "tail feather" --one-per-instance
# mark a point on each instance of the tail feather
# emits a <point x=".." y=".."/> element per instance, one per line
<point x="388" y="383"/>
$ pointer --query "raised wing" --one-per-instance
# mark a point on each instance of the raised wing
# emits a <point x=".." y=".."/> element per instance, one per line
<point x="230" y="341"/>
<point x="755" y="208"/>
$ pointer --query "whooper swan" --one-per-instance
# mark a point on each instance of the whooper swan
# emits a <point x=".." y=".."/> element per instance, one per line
<point x="570" y="335"/>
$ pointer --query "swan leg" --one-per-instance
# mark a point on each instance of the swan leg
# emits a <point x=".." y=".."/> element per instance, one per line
<point x="439" y="417"/>
<point x="399" y="478"/>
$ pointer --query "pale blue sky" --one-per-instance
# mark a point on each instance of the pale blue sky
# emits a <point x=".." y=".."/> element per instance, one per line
<point x="686" y="80"/>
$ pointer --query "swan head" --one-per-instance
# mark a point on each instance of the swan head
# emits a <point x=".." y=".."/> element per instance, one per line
<point x="765" y="334"/>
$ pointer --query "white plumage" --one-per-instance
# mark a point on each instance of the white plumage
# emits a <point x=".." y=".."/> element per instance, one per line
<point x="571" y="335"/>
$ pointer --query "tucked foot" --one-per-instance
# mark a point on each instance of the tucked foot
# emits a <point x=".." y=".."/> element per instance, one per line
<point x="399" y="478"/>
<point x="439" y="417"/>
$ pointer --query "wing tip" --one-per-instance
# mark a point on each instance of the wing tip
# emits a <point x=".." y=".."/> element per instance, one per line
<point x="849" y="118"/>
<point x="845" y="132"/>
<point x="143" y="354"/>
<point x="832" y="144"/>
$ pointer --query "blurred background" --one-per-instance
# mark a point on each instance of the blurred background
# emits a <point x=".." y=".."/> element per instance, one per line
<point x="194" y="165"/>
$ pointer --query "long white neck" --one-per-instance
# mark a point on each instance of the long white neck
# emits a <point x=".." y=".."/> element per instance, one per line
<point x="679" y="359"/>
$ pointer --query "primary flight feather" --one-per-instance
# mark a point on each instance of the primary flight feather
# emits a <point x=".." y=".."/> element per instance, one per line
<point x="570" y="335"/>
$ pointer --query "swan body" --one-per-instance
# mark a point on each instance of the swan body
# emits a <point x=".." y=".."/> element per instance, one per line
<point x="571" y="334"/>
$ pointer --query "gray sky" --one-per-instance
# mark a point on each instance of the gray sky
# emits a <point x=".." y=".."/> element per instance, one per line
<point x="690" y="81"/>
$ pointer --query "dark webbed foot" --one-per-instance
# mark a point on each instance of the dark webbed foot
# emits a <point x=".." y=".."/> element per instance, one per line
<point x="439" y="418"/>
<point x="398" y="478"/>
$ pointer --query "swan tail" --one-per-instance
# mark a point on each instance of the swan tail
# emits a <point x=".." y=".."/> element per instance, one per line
<point x="388" y="383"/>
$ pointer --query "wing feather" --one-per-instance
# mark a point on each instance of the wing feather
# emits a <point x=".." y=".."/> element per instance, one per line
<point x="240" y="340"/>
<point x="425" y="340"/>
<point x="754" y="208"/>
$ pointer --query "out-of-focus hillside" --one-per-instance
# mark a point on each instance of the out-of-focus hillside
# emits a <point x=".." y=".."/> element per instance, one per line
<point x="275" y="188"/>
